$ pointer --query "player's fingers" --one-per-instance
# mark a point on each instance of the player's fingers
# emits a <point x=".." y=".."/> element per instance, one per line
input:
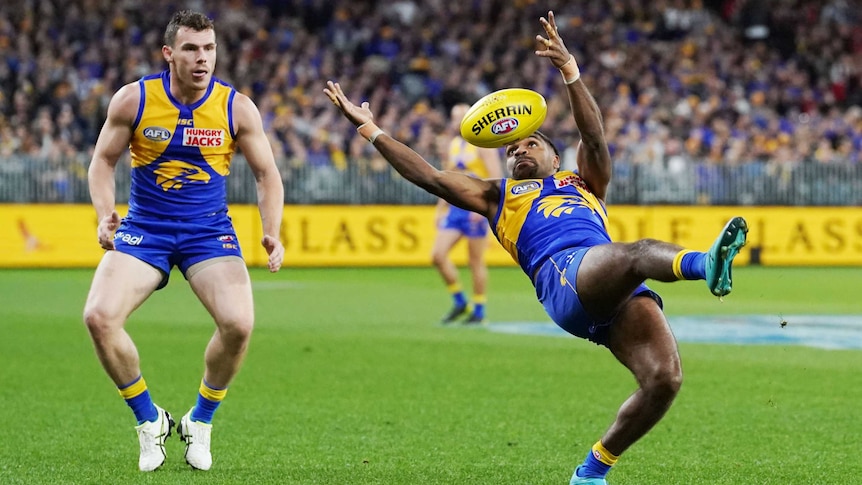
<point x="545" y="25"/>
<point x="546" y="46"/>
<point x="329" y="94"/>
<point x="551" y="21"/>
<point x="276" y="258"/>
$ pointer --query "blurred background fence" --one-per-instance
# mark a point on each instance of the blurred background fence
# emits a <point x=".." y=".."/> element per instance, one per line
<point x="37" y="180"/>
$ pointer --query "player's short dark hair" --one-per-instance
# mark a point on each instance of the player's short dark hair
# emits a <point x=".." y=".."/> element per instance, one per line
<point x="547" y="139"/>
<point x="189" y="19"/>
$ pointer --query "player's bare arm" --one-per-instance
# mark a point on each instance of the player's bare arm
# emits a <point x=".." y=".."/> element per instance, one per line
<point x="477" y="195"/>
<point x="252" y="140"/>
<point x="594" y="159"/>
<point x="112" y="142"/>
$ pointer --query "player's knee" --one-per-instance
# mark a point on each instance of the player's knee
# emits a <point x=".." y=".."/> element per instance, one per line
<point x="636" y="253"/>
<point x="98" y="321"/>
<point x="236" y="332"/>
<point x="664" y="382"/>
<point x="438" y="258"/>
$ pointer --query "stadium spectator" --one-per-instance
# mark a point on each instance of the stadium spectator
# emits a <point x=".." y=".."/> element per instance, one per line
<point x="676" y="65"/>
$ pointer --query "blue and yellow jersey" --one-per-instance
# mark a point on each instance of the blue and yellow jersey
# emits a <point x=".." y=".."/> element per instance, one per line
<point x="464" y="157"/>
<point x="539" y="217"/>
<point x="181" y="154"/>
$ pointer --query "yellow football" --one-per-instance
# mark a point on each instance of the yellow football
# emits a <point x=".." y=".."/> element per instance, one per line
<point x="503" y="117"/>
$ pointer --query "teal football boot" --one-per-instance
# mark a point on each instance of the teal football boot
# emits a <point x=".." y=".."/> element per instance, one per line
<point x="576" y="480"/>
<point x="720" y="256"/>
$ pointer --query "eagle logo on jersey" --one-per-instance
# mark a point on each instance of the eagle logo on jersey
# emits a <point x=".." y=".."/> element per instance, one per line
<point x="557" y="205"/>
<point x="173" y="174"/>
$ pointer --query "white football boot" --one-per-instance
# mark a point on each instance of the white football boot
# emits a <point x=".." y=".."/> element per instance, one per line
<point x="197" y="438"/>
<point x="152" y="436"/>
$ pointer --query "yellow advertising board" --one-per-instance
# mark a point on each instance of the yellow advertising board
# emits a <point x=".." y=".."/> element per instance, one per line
<point x="65" y="235"/>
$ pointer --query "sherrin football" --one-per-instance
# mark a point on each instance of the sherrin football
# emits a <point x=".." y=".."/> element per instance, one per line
<point x="503" y="117"/>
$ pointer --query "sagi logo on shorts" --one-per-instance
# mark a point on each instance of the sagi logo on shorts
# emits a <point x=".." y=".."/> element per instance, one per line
<point x="524" y="187"/>
<point x="128" y="238"/>
<point x="157" y="133"/>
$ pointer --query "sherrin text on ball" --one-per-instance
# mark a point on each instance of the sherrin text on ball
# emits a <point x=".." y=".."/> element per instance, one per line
<point x="504" y="117"/>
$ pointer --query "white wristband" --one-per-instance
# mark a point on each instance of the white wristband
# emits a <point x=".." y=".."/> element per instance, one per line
<point x="375" y="135"/>
<point x="570" y="71"/>
<point x="369" y="131"/>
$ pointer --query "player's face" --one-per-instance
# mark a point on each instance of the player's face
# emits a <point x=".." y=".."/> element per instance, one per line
<point x="192" y="57"/>
<point x="531" y="158"/>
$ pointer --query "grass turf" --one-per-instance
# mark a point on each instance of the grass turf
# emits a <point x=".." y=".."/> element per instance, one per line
<point x="350" y="379"/>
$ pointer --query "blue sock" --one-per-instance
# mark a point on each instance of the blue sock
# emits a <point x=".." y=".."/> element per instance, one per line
<point x="137" y="396"/>
<point x="209" y="399"/>
<point x="479" y="310"/>
<point x="693" y="266"/>
<point x="459" y="298"/>
<point x="592" y="468"/>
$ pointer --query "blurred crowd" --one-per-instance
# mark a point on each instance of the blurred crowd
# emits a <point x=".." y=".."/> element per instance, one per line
<point x="773" y="82"/>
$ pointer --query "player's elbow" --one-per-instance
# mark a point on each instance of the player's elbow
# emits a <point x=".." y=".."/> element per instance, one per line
<point x="594" y="140"/>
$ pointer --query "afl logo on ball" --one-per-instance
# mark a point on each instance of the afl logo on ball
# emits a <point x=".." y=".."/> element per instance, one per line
<point x="506" y="125"/>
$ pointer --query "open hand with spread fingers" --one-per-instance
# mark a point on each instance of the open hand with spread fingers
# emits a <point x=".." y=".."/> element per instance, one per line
<point x="358" y="115"/>
<point x="554" y="48"/>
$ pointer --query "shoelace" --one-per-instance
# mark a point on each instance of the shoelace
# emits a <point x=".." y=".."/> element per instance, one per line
<point x="151" y="441"/>
<point x="199" y="434"/>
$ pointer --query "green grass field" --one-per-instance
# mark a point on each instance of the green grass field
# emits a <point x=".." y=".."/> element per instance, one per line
<point x="350" y="380"/>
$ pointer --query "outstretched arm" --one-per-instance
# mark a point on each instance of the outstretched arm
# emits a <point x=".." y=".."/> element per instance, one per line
<point x="480" y="196"/>
<point x="594" y="159"/>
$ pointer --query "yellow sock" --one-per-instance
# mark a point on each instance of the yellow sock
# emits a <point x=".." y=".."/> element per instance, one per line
<point x="603" y="455"/>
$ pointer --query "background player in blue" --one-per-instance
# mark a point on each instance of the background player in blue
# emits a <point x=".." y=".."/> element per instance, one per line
<point x="455" y="223"/>
<point x="554" y="225"/>
<point x="181" y="127"/>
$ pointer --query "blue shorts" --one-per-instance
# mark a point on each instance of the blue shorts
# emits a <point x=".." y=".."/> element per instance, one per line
<point x="461" y="221"/>
<point x="557" y="291"/>
<point x="165" y="243"/>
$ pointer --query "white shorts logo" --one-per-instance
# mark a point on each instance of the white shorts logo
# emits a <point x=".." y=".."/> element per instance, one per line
<point x="128" y="238"/>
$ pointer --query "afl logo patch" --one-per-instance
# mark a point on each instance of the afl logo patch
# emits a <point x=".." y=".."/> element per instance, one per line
<point x="506" y="125"/>
<point x="524" y="187"/>
<point x="157" y="133"/>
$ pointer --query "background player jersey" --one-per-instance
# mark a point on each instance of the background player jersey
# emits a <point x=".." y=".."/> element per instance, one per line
<point x="539" y="217"/>
<point x="181" y="154"/>
<point x="464" y="157"/>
